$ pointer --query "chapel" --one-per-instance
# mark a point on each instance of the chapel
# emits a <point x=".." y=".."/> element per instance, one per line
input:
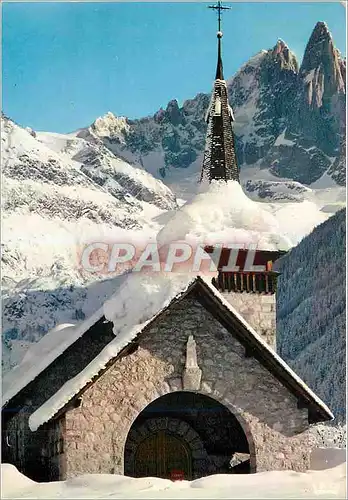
<point x="194" y="388"/>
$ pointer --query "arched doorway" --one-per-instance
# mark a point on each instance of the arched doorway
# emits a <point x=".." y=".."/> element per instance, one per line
<point x="186" y="435"/>
<point x="162" y="454"/>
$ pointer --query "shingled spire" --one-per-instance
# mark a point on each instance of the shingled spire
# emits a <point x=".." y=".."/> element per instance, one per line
<point x="219" y="162"/>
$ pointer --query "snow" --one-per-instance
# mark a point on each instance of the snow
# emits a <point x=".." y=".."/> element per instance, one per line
<point x="244" y="124"/>
<point x="323" y="198"/>
<point x="185" y="184"/>
<point x="286" y="217"/>
<point x="324" y="182"/>
<point x="17" y="141"/>
<point x="222" y="213"/>
<point x="290" y="217"/>
<point x="45" y="223"/>
<point x="244" y="115"/>
<point x="273" y="484"/>
<point x="36" y="360"/>
<point x="217" y="110"/>
<point x="151" y="162"/>
<point x="281" y="141"/>
<point x="327" y="458"/>
<point x="310" y="75"/>
<point x="51" y="341"/>
<point x="12" y="480"/>
<point x="54" y="141"/>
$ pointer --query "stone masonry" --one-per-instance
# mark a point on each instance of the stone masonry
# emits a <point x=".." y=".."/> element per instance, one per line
<point x="259" y="310"/>
<point x="96" y="431"/>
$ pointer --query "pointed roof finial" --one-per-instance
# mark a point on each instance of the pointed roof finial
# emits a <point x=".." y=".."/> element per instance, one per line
<point x="219" y="68"/>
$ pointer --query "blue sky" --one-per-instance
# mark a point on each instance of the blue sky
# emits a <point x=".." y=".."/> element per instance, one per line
<point x="65" y="64"/>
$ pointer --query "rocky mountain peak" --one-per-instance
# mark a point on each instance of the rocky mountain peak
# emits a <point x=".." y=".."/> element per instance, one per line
<point x="289" y="120"/>
<point x="280" y="47"/>
<point x="322" y="63"/>
<point x="159" y="115"/>
<point x="173" y="113"/>
<point x="283" y="55"/>
<point x="319" y="44"/>
<point x="110" y="125"/>
<point x="316" y="113"/>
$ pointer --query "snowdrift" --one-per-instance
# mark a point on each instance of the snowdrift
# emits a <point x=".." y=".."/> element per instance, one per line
<point x="275" y="484"/>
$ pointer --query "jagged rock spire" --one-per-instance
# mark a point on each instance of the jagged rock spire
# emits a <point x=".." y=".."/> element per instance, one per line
<point x="219" y="161"/>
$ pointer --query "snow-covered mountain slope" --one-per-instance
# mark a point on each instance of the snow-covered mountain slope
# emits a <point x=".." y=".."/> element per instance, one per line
<point x="262" y="185"/>
<point x="59" y="193"/>
<point x="289" y="119"/>
<point x="77" y="172"/>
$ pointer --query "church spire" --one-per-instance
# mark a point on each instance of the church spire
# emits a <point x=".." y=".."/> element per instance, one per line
<point x="219" y="162"/>
<point x="219" y="68"/>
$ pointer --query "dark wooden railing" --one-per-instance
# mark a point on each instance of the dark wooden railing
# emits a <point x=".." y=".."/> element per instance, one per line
<point x="250" y="282"/>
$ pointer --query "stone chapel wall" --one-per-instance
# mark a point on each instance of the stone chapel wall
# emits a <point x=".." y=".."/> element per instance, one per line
<point x="96" y="432"/>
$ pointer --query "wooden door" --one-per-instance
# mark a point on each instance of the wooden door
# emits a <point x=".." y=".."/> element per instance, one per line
<point x="163" y="455"/>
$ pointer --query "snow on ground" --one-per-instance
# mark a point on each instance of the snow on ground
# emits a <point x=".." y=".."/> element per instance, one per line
<point x="275" y="484"/>
<point x="327" y="458"/>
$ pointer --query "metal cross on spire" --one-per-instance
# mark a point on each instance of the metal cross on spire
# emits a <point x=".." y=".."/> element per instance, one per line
<point x="219" y="8"/>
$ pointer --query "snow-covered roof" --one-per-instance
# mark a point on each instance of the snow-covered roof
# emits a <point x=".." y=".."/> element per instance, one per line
<point x="43" y="353"/>
<point x="221" y="213"/>
<point x="128" y="323"/>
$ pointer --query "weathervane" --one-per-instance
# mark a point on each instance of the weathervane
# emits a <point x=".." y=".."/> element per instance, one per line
<point x="219" y="8"/>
